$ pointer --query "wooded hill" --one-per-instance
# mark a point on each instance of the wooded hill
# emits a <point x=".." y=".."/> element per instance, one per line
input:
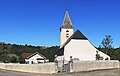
<point x="13" y="52"/>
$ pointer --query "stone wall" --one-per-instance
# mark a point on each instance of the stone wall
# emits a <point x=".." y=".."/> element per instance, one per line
<point x="33" y="68"/>
<point x="75" y="66"/>
<point x="78" y="66"/>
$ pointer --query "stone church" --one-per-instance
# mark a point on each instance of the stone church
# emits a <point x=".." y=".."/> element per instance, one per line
<point x="75" y="45"/>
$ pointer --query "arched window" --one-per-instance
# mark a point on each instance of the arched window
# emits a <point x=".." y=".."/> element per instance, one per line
<point x="67" y="31"/>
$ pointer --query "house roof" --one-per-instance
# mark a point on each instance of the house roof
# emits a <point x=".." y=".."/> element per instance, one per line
<point x="67" y="22"/>
<point x="25" y="55"/>
<point x="77" y="35"/>
<point x="35" y="54"/>
<point x="29" y="55"/>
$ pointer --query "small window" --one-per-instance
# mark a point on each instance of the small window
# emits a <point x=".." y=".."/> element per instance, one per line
<point x="67" y="36"/>
<point x="32" y="62"/>
<point x="39" y="62"/>
<point x="40" y="59"/>
<point x="67" y="31"/>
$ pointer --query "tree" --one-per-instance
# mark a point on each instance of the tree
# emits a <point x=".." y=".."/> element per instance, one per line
<point x="4" y="57"/>
<point x="107" y="43"/>
<point x="116" y="55"/>
<point x="13" y="58"/>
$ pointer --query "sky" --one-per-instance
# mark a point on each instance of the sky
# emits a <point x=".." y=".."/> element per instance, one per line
<point x="37" y="22"/>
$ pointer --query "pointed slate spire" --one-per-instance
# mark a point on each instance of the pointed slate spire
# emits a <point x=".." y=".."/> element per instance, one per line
<point x="67" y="22"/>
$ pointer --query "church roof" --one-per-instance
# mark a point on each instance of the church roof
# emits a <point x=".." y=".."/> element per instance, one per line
<point x="76" y="35"/>
<point x="60" y="52"/>
<point x="67" y="22"/>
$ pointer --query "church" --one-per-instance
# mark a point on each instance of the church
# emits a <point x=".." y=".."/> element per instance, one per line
<point x="75" y="45"/>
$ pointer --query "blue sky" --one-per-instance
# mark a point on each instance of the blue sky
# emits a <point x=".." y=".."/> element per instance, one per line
<point x="37" y="22"/>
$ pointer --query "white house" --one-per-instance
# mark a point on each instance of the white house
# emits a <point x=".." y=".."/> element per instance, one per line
<point x="35" y="58"/>
<point x="76" y="45"/>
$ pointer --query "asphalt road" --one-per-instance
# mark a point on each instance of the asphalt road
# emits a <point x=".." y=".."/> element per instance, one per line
<point x="113" y="72"/>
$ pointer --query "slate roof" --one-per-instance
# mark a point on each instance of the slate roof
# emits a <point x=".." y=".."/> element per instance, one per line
<point x="60" y="52"/>
<point x="67" y="22"/>
<point x="77" y="35"/>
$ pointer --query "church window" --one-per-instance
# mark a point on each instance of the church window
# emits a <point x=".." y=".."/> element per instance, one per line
<point x="67" y="31"/>
<point x="67" y="36"/>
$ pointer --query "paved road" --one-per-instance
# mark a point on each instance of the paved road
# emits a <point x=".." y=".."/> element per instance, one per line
<point x="92" y="73"/>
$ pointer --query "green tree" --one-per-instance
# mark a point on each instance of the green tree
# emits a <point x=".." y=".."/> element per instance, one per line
<point x="4" y="57"/>
<point x="107" y="43"/>
<point x="117" y="54"/>
<point x="13" y="58"/>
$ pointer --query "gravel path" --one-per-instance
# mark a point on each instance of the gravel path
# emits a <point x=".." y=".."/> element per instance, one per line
<point x="112" y="72"/>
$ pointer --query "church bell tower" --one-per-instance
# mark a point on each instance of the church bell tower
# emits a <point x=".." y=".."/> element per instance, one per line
<point x="66" y="30"/>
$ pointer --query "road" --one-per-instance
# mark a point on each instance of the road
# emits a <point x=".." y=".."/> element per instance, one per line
<point x="112" y="72"/>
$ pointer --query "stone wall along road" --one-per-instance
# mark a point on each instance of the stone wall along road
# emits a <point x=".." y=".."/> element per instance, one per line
<point x="112" y="72"/>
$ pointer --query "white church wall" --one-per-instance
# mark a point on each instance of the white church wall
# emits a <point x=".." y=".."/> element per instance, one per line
<point x="81" y="49"/>
<point x="63" y="35"/>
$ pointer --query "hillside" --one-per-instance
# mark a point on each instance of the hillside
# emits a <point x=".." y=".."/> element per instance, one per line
<point x="12" y="52"/>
